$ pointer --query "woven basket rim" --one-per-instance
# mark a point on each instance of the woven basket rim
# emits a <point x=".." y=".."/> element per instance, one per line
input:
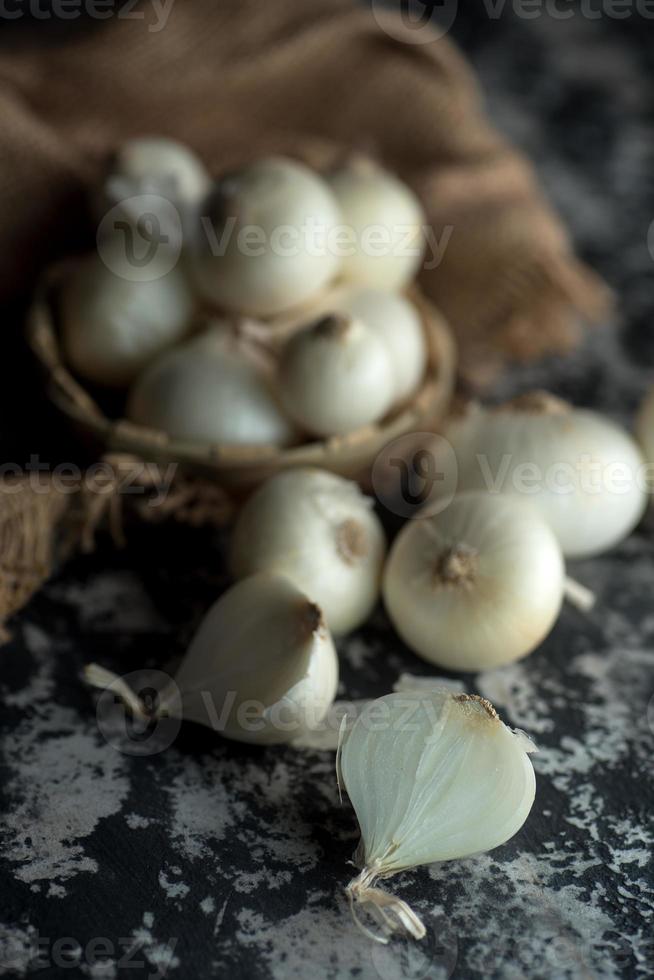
<point x="428" y="404"/>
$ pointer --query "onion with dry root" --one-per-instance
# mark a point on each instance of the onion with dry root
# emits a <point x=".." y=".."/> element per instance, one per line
<point x="432" y="776"/>
<point x="261" y="668"/>
<point x="322" y="533"/>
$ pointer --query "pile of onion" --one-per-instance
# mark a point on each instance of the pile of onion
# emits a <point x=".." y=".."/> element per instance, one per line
<point x="272" y="240"/>
<point x="474" y="586"/>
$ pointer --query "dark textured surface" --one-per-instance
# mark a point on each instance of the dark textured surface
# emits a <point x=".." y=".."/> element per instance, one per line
<point x="213" y="859"/>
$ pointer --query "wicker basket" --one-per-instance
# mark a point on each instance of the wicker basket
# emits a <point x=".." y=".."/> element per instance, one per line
<point x="238" y="469"/>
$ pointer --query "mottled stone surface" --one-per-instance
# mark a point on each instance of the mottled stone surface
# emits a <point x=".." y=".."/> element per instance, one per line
<point x="214" y="859"/>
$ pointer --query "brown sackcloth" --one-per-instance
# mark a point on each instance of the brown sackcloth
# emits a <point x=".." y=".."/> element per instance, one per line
<point x="235" y="78"/>
<point x="27" y="522"/>
<point x="43" y="521"/>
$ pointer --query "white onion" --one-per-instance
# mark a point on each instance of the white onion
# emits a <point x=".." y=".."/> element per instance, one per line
<point x="476" y="586"/>
<point x="394" y="319"/>
<point x="113" y="326"/>
<point x="374" y="203"/>
<point x="266" y="248"/>
<point x="209" y="391"/>
<point x="581" y="469"/>
<point x="336" y="376"/>
<point x="155" y="188"/>
<point x="164" y="166"/>
<point x="261" y="668"/>
<point x="319" y="531"/>
<point x="432" y="776"/>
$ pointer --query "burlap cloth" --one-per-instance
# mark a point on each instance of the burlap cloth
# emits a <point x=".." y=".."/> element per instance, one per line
<point x="234" y="78"/>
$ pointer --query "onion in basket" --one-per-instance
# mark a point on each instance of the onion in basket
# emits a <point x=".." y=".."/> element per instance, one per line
<point x="210" y="390"/>
<point x="386" y="222"/>
<point x="113" y="326"/>
<point x="264" y="249"/>
<point x="336" y="375"/>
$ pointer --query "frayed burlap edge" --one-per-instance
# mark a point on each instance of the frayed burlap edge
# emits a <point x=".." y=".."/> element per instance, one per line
<point x="43" y="524"/>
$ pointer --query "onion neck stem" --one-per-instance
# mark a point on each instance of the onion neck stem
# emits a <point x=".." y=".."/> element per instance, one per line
<point x="578" y="595"/>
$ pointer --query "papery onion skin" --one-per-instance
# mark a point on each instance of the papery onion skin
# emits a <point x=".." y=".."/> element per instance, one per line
<point x="265" y="643"/>
<point x="336" y="376"/>
<point x="269" y="274"/>
<point x="205" y="394"/>
<point x="433" y="777"/>
<point x="320" y="531"/>
<point x="371" y="198"/>
<point x="488" y="603"/>
<point x="529" y="453"/>
<point x="112" y="327"/>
